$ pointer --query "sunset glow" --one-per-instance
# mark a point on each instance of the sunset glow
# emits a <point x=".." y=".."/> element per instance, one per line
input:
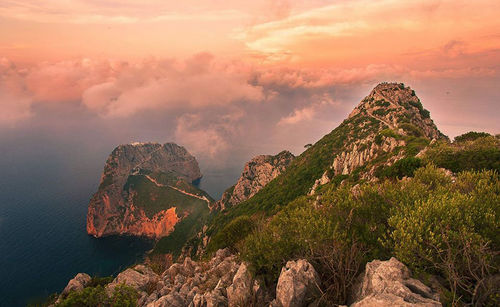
<point x="215" y="62"/>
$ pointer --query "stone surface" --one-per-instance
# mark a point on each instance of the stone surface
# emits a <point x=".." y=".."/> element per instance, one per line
<point x="388" y="283"/>
<point x="77" y="283"/>
<point x="256" y="174"/>
<point x="112" y="210"/>
<point x="141" y="278"/>
<point x="240" y="293"/>
<point x="298" y="284"/>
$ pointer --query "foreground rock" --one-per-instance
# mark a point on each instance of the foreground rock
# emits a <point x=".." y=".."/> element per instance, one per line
<point x="388" y="283"/>
<point x="145" y="190"/>
<point x="298" y="284"/>
<point x="140" y="277"/>
<point x="80" y="281"/>
<point x="224" y="281"/>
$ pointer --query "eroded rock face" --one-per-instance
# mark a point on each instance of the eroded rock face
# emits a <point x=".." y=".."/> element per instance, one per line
<point x="80" y="281"/>
<point x="378" y="126"/>
<point x="298" y="284"/>
<point x="257" y="173"/>
<point x="114" y="208"/>
<point x="140" y="277"/>
<point x="389" y="283"/>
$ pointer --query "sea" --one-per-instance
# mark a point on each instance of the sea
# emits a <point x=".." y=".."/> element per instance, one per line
<point x="44" y="193"/>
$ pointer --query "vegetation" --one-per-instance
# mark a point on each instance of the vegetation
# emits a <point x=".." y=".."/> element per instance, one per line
<point x="402" y="168"/>
<point x="470" y="153"/>
<point x="234" y="232"/>
<point x="471" y="136"/>
<point x="122" y="295"/>
<point x="432" y="224"/>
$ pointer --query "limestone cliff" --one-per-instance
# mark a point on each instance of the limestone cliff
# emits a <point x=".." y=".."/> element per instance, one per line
<point x="256" y="174"/>
<point x="145" y="190"/>
<point x="389" y="124"/>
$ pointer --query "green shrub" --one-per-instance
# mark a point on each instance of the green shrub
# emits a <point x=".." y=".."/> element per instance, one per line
<point x="432" y="224"/>
<point x="100" y="281"/>
<point x="295" y="231"/>
<point x="389" y="133"/>
<point x="402" y="168"/>
<point x="452" y="233"/>
<point x="478" y="154"/>
<point x="232" y="233"/>
<point x="88" y="297"/>
<point x="411" y="129"/>
<point x="471" y="136"/>
<point x="381" y="112"/>
<point x="425" y="113"/>
<point x="122" y="296"/>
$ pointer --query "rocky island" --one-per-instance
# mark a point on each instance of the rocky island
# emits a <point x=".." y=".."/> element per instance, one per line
<point x="145" y="190"/>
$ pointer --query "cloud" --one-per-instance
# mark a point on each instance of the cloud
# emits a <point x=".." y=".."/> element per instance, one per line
<point x="208" y="135"/>
<point x="308" y="112"/>
<point x="195" y="83"/>
<point x="15" y="102"/>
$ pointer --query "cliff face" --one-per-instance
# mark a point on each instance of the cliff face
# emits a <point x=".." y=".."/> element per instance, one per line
<point x="256" y="174"/>
<point x="145" y="190"/>
<point x="387" y="125"/>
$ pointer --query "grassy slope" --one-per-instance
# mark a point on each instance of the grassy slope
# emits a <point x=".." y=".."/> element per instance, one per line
<point x="297" y="180"/>
<point x="153" y="198"/>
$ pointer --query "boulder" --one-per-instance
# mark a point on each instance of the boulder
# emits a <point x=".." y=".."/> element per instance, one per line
<point x="298" y="284"/>
<point x="389" y="283"/>
<point x="171" y="300"/>
<point x="80" y="281"/>
<point x="141" y="278"/>
<point x="239" y="293"/>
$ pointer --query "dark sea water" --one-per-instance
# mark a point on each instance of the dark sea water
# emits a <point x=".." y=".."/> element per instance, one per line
<point x="44" y="192"/>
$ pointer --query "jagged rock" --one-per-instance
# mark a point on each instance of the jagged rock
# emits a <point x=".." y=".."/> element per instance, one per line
<point x="388" y="283"/>
<point x="257" y="173"/>
<point x="240" y="292"/>
<point x="80" y="281"/>
<point x="389" y="106"/>
<point x="114" y="209"/>
<point x="171" y="300"/>
<point x="297" y="285"/>
<point x="140" y="277"/>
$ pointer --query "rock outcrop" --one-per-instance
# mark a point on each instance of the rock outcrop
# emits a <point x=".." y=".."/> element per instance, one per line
<point x="389" y="283"/>
<point x="384" y="121"/>
<point x="256" y="174"/>
<point x="298" y="284"/>
<point x="80" y="281"/>
<point x="145" y="190"/>
<point x="225" y="281"/>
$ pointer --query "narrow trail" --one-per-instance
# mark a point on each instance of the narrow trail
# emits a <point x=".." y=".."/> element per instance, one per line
<point x="204" y="198"/>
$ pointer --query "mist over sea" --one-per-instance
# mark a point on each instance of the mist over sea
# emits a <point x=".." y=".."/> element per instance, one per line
<point x="45" y="185"/>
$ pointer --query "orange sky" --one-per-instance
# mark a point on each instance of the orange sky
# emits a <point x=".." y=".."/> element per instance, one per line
<point x="118" y="58"/>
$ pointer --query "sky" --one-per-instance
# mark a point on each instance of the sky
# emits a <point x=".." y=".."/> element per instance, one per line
<point x="232" y="79"/>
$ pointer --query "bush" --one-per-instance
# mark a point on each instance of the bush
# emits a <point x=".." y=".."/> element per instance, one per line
<point x="339" y="263"/>
<point x="293" y="232"/>
<point x="123" y="296"/>
<point x="432" y="224"/>
<point x="481" y="153"/>
<point x="402" y="168"/>
<point x="471" y="136"/>
<point x="453" y="233"/>
<point x="90" y="296"/>
<point x="232" y="233"/>
<point x="411" y="129"/>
